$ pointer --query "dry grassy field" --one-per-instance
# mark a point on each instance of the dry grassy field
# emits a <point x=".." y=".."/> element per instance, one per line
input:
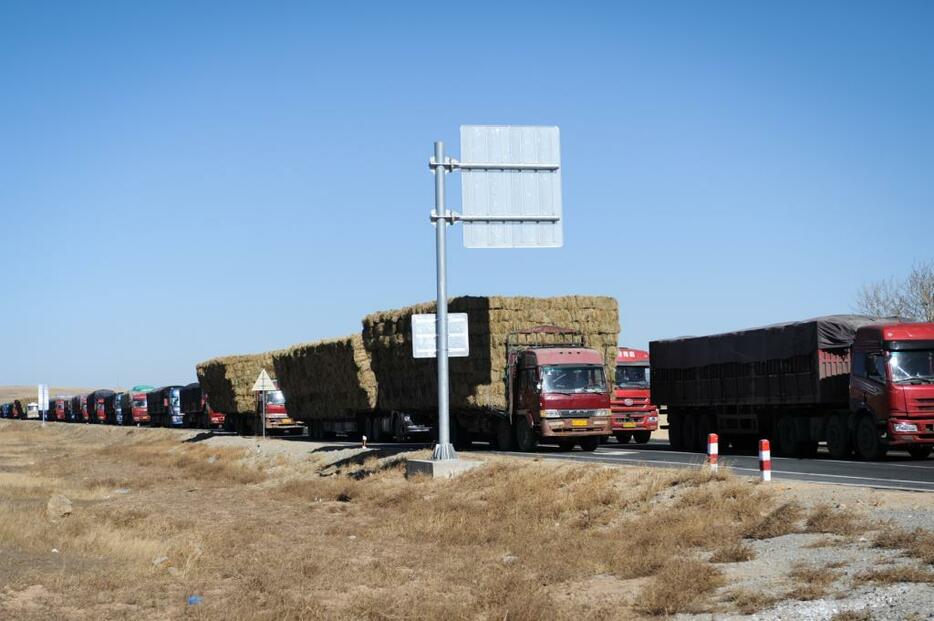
<point x="110" y="523"/>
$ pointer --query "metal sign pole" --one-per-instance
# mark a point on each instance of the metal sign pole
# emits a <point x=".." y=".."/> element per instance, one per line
<point x="264" y="413"/>
<point x="443" y="450"/>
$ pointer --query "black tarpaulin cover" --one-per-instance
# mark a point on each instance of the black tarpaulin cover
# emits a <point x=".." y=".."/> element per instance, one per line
<point x="778" y="341"/>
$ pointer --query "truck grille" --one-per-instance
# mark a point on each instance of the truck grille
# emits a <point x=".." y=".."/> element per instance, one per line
<point x="923" y="404"/>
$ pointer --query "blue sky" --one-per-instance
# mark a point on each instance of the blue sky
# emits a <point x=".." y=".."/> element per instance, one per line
<point x="181" y="180"/>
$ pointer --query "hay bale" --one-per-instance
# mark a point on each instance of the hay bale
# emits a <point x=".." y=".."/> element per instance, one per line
<point x="326" y="379"/>
<point x="229" y="380"/>
<point x="477" y="381"/>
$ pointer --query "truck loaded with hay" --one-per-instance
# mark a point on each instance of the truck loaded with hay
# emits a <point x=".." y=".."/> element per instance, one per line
<point x="227" y="384"/>
<point x="369" y="384"/>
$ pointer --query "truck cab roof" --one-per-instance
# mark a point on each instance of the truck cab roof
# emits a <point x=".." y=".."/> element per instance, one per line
<point x="567" y="355"/>
<point x="636" y="357"/>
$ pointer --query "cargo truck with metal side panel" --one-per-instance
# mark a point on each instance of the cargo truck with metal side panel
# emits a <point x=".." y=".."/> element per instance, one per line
<point x="859" y="384"/>
<point x="79" y="410"/>
<point x="164" y="406"/>
<point x="57" y="409"/>
<point x="556" y="392"/>
<point x="633" y="416"/>
<point x="196" y="409"/>
<point x="133" y="404"/>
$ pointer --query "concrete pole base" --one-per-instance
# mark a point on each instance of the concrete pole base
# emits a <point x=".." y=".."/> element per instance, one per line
<point x="439" y="469"/>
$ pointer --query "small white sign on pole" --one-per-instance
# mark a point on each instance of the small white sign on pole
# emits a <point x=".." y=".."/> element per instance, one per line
<point x="425" y="340"/>
<point x="43" y="400"/>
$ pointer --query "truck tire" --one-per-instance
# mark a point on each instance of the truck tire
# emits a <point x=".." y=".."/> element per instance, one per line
<point x="675" y="431"/>
<point x="839" y="440"/>
<point x="920" y="451"/>
<point x="565" y="445"/>
<point x="642" y="437"/>
<point x="460" y="437"/>
<point x="590" y="443"/>
<point x="526" y="440"/>
<point x="869" y="444"/>
<point x="503" y="436"/>
<point x="623" y="437"/>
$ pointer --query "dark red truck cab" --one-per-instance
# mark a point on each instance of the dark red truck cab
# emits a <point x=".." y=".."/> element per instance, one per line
<point x="633" y="416"/>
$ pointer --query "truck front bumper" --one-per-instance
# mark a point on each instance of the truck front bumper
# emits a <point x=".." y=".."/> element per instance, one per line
<point x="563" y="427"/>
<point x="905" y="431"/>
<point x="634" y="421"/>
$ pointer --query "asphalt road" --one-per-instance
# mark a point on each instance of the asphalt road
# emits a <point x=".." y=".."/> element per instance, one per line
<point x="897" y="471"/>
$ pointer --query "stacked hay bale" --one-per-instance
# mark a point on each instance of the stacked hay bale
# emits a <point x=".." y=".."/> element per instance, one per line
<point x="326" y="379"/>
<point x="477" y="381"/>
<point x="229" y="380"/>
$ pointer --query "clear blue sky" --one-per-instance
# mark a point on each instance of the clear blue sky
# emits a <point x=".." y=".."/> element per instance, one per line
<point x="180" y="180"/>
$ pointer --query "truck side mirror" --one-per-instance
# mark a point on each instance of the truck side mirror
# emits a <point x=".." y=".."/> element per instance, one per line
<point x="538" y="386"/>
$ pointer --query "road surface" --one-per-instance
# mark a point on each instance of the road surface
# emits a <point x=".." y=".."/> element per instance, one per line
<point x="896" y="472"/>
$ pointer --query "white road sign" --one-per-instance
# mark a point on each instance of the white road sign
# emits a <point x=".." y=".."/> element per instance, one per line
<point x="524" y="191"/>
<point x="424" y="339"/>
<point x="264" y="382"/>
<point x="43" y="400"/>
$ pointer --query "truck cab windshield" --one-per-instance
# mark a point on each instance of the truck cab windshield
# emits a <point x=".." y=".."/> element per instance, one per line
<point x="911" y="367"/>
<point x="572" y="379"/>
<point x="632" y="377"/>
<point x="275" y="397"/>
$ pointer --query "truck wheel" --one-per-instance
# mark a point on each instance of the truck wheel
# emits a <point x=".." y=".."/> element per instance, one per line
<point x="868" y="441"/>
<point x="590" y="443"/>
<point x="623" y="437"/>
<point x="398" y="430"/>
<point x="839" y="443"/>
<point x="460" y="437"/>
<point x="675" y="431"/>
<point x="564" y="445"/>
<point x="503" y="438"/>
<point x="920" y="451"/>
<point x="526" y="440"/>
<point x="642" y="437"/>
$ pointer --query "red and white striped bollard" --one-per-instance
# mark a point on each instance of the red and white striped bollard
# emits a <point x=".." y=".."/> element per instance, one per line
<point x="765" y="460"/>
<point x="713" y="451"/>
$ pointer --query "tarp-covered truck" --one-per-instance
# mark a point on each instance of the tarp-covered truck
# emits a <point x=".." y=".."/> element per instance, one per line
<point x="851" y="381"/>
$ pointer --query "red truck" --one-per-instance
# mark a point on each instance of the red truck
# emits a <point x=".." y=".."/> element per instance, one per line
<point x="633" y="416"/>
<point x="556" y="393"/>
<point x="134" y="407"/>
<point x="197" y="410"/>
<point x="57" y="409"/>
<point x="278" y="421"/>
<point x="854" y="382"/>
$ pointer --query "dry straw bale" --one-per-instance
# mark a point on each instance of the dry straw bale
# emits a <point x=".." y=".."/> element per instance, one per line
<point x="477" y="381"/>
<point x="229" y="380"/>
<point x="326" y="379"/>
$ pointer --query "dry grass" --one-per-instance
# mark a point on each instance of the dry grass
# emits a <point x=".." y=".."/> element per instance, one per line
<point x="750" y="602"/>
<point x="852" y="615"/>
<point x="894" y="575"/>
<point x="736" y="552"/>
<point x="812" y="582"/>
<point x="824" y="519"/>
<point x="680" y="586"/>
<point x="918" y="543"/>
<point x="782" y="520"/>
<point x="260" y="537"/>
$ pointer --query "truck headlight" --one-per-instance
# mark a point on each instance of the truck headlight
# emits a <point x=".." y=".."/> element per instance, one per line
<point x="653" y="419"/>
<point x="551" y="413"/>
<point x="605" y="412"/>
<point x="905" y="428"/>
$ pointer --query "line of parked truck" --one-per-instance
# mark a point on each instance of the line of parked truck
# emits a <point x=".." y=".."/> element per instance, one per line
<point x="858" y="385"/>
<point x="167" y="406"/>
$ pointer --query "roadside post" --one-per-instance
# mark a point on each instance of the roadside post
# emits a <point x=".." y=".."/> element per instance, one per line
<point x="511" y="198"/>
<point x="765" y="460"/>
<point x="262" y="385"/>
<point x="713" y="451"/>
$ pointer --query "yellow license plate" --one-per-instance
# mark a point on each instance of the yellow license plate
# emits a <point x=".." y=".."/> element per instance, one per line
<point x="579" y="422"/>
<point x="628" y="425"/>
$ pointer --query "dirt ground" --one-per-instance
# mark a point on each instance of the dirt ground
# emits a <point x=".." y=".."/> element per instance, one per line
<point x="109" y="523"/>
